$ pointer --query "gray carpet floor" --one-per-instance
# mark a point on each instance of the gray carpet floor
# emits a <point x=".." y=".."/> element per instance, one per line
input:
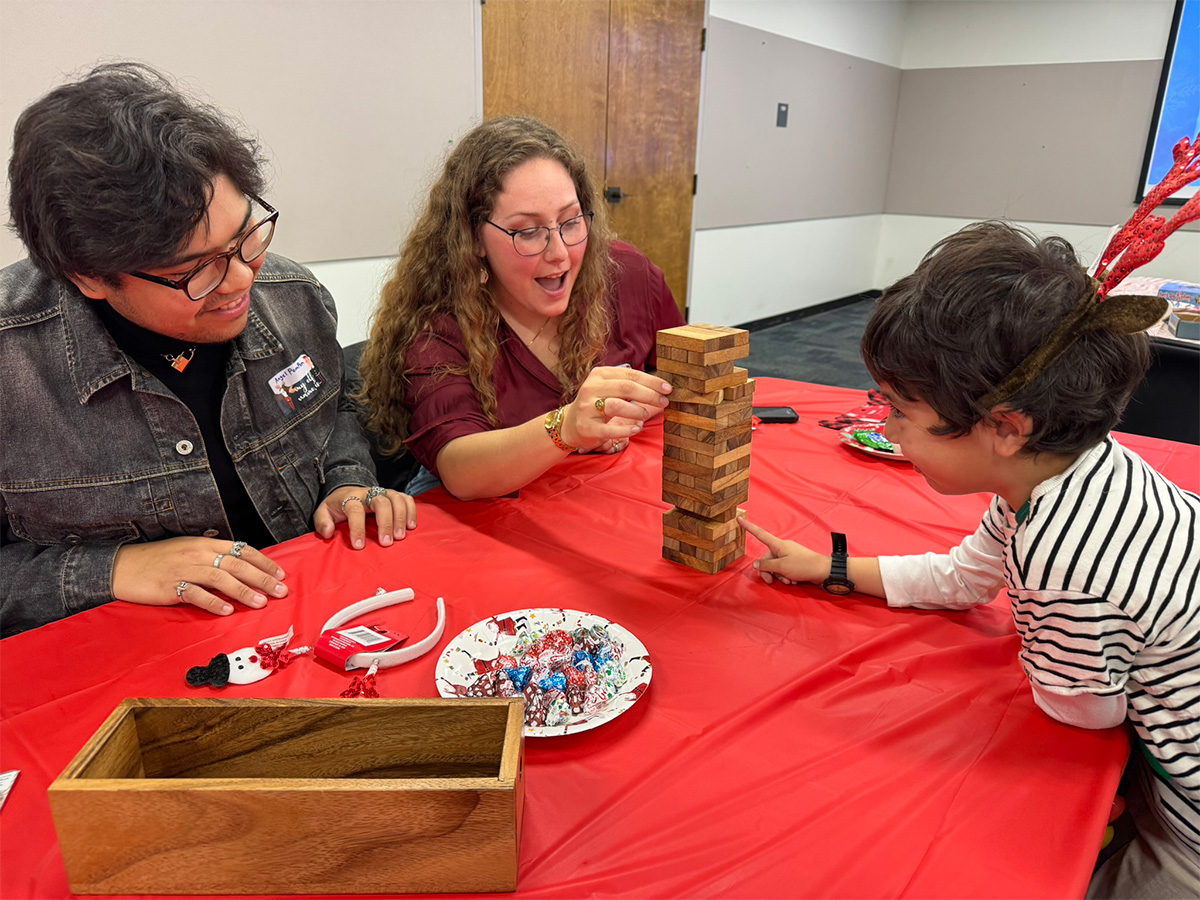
<point x="821" y="348"/>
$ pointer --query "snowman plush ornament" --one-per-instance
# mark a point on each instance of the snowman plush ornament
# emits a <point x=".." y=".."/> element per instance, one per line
<point x="247" y="665"/>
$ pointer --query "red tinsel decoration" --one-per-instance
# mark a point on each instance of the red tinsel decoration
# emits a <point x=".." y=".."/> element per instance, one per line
<point x="1143" y="237"/>
<point x="361" y="686"/>
<point x="273" y="658"/>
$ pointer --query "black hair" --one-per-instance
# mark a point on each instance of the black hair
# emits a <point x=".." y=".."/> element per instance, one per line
<point x="114" y="172"/>
<point x="980" y="302"/>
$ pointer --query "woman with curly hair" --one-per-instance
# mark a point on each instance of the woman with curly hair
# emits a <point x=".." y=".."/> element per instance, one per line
<point x="514" y="329"/>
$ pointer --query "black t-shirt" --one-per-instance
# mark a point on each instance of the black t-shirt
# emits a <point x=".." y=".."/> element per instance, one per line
<point x="201" y="387"/>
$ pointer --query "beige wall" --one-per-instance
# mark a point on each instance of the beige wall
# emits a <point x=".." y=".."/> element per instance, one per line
<point x="830" y="160"/>
<point x="354" y="101"/>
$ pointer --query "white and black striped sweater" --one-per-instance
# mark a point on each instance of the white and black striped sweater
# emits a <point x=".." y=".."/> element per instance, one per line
<point x="1104" y="579"/>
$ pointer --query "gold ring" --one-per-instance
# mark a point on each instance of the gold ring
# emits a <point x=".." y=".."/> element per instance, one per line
<point x="600" y="405"/>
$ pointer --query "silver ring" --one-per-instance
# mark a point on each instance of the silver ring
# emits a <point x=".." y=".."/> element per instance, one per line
<point x="348" y="499"/>
<point x="217" y="561"/>
<point x="236" y="550"/>
<point x="374" y="492"/>
<point x="180" y="588"/>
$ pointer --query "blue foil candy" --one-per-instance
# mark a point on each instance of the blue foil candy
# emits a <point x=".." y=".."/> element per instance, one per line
<point x="555" y="682"/>
<point x="519" y="676"/>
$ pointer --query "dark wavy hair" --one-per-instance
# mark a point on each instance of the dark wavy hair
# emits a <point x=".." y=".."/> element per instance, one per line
<point x="115" y="171"/>
<point x="980" y="301"/>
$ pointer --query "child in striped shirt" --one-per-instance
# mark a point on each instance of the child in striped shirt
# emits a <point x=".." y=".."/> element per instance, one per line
<point x="1097" y="552"/>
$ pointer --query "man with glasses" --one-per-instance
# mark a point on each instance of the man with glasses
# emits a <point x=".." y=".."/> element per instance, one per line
<point x="171" y="393"/>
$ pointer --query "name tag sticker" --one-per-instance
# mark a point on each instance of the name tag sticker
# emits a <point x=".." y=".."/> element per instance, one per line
<point x="296" y="384"/>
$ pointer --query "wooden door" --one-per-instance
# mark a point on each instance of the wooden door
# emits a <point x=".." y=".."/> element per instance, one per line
<point x="620" y="79"/>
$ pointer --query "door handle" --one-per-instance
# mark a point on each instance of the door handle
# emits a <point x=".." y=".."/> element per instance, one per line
<point x="614" y="194"/>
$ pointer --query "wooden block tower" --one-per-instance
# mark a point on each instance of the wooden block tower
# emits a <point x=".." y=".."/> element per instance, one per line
<point x="706" y="443"/>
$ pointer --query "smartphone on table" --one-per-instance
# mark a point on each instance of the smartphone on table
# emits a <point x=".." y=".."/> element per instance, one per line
<point x="766" y="414"/>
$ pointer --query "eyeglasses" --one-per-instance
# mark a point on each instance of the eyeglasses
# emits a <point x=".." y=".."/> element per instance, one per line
<point x="534" y="241"/>
<point x="207" y="276"/>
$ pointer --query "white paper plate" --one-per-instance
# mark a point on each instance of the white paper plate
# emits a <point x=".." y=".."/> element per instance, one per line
<point x="627" y="676"/>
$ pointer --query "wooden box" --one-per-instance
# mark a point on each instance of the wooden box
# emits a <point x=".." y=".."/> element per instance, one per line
<point x="240" y="796"/>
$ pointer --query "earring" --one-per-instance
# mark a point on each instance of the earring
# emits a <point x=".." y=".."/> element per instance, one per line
<point x="483" y="274"/>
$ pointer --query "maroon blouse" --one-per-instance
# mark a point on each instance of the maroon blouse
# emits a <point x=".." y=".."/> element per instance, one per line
<point x="445" y="407"/>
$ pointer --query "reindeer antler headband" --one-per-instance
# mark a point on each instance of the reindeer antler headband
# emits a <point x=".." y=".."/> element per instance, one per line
<point x="1137" y="242"/>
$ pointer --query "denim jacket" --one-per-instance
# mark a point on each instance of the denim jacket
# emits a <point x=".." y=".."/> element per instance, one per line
<point x="95" y="452"/>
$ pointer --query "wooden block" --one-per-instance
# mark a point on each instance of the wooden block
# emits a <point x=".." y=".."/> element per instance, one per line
<point x="295" y="789"/>
<point x="683" y="395"/>
<point x="673" y="414"/>
<point x="673" y="492"/>
<point x="717" y="535"/>
<point x="699" y="565"/>
<point x="715" y="356"/>
<point x="703" y="386"/>
<point x="685" y="541"/>
<point x="708" y="568"/>
<point x="703" y="338"/>
<point x="703" y="371"/>
<point x="674" y="353"/>
<point x="709" y="417"/>
<point x="705" y="482"/>
<point x="688" y="468"/>
<point x="729" y="438"/>
<point x="708" y="529"/>
<point x="705" y="504"/>
<point x="704" y="459"/>
<point x="737" y="392"/>
<point x="674" y="476"/>
<point x="705" y="435"/>
<point x="714" y="555"/>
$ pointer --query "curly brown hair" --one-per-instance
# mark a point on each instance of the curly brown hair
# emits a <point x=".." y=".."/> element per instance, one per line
<point x="437" y="274"/>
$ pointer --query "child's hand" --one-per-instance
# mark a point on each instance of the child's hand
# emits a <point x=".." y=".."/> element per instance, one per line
<point x="786" y="560"/>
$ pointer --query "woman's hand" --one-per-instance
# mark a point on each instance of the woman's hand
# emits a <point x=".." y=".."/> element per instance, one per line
<point x="151" y="574"/>
<point x="611" y="406"/>
<point x="394" y="513"/>
<point x="786" y="560"/>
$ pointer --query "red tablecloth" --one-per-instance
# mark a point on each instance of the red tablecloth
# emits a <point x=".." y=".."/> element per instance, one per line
<point x="789" y="745"/>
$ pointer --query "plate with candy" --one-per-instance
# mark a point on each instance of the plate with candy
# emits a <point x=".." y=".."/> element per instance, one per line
<point x="870" y="439"/>
<point x="575" y="670"/>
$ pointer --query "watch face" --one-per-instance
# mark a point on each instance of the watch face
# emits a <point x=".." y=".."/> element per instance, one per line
<point x="838" y="587"/>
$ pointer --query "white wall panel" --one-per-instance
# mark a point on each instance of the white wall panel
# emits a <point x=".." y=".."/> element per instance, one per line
<point x="957" y="33"/>
<point x="756" y="271"/>
<point x="355" y="285"/>
<point x="868" y="29"/>
<point x="904" y="240"/>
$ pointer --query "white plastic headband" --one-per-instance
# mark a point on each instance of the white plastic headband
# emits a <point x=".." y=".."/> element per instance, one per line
<point x="391" y="657"/>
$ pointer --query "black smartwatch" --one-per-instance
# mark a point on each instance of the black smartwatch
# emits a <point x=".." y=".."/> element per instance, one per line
<point x="837" y="582"/>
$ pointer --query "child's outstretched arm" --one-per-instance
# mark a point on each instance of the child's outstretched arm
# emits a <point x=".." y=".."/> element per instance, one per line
<point x="791" y="562"/>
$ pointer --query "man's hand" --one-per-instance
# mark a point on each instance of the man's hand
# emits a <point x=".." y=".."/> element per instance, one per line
<point x="786" y="560"/>
<point x="394" y="514"/>
<point x="150" y="573"/>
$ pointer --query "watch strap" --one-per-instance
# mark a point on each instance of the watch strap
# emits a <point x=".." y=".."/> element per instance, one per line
<point x="837" y="562"/>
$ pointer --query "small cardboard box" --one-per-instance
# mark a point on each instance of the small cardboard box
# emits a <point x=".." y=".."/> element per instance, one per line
<point x="216" y="796"/>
